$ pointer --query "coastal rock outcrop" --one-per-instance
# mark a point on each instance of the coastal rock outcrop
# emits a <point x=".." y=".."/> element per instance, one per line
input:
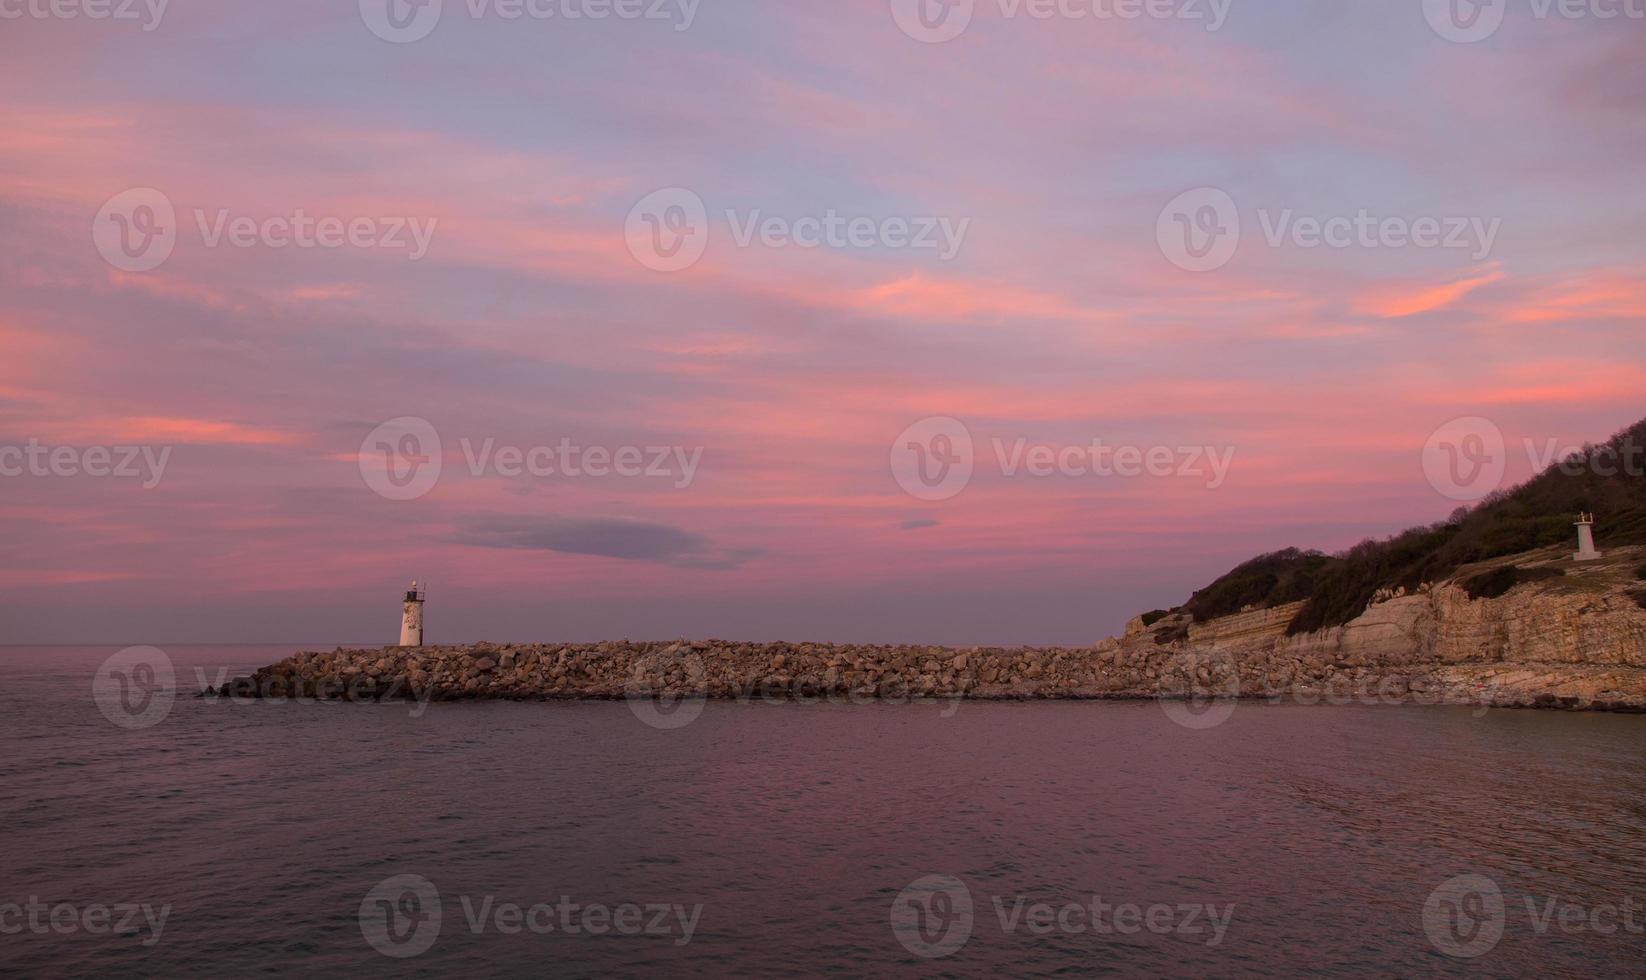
<point x="1576" y="639"/>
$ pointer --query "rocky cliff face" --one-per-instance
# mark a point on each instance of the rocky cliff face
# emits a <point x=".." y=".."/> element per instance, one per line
<point x="1577" y="640"/>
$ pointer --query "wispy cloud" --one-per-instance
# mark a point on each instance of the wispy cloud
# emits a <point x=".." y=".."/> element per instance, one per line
<point x="624" y="539"/>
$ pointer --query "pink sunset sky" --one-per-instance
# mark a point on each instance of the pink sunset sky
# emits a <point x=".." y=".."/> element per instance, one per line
<point x="1062" y="317"/>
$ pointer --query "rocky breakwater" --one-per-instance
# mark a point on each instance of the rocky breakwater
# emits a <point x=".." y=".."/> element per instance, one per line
<point x="1572" y="640"/>
<point x="715" y="669"/>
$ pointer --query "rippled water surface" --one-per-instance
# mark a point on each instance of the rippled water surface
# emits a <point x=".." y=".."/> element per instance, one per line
<point x="797" y="828"/>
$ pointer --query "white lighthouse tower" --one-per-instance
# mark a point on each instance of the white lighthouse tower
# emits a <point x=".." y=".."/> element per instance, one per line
<point x="411" y="618"/>
<point x="1586" y="538"/>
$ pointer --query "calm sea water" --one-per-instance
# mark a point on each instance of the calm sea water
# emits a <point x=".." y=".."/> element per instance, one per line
<point x="783" y="840"/>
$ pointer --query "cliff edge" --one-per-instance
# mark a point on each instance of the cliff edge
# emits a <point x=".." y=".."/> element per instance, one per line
<point x="1560" y="633"/>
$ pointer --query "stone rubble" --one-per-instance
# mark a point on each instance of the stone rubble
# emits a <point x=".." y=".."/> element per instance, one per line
<point x="1573" y="642"/>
